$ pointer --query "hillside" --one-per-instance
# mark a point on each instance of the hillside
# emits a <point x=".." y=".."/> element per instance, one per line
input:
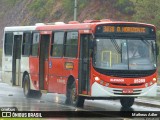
<point x="29" y="12"/>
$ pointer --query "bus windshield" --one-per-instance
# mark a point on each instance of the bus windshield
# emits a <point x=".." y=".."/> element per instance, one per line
<point x="124" y="54"/>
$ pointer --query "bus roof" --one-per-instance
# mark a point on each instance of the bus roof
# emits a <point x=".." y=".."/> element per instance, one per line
<point x="72" y="25"/>
<point x="88" y="24"/>
<point x="20" y="28"/>
<point x="65" y="26"/>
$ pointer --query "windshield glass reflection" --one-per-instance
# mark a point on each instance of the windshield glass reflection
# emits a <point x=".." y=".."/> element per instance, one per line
<point x="124" y="54"/>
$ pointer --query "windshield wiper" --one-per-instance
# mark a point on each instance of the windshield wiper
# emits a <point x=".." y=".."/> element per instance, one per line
<point x="116" y="45"/>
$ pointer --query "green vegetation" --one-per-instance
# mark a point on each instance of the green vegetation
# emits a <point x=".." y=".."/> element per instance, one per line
<point x="41" y="8"/>
<point x="11" y="2"/>
<point x="69" y="5"/>
<point x="147" y="11"/>
<point x="125" y="6"/>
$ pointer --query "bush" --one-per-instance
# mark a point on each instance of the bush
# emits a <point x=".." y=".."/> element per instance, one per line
<point x="41" y="8"/>
<point x="69" y="5"/>
<point x="124" y="6"/>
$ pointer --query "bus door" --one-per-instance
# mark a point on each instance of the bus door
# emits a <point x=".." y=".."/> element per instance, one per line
<point x="43" y="61"/>
<point x="16" y="58"/>
<point x="84" y="72"/>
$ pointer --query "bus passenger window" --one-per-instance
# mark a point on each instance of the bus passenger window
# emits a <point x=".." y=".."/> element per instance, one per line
<point x="26" y="44"/>
<point x="57" y="44"/>
<point x="35" y="43"/>
<point x="8" y="43"/>
<point x="71" y="44"/>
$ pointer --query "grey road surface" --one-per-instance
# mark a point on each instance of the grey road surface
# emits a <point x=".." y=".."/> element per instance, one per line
<point x="13" y="97"/>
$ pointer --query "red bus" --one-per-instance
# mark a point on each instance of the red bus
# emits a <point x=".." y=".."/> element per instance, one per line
<point x="96" y="59"/>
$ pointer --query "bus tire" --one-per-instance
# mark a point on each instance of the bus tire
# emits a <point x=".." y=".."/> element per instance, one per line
<point x="26" y="87"/>
<point x="27" y="91"/>
<point x="72" y="98"/>
<point x="127" y="102"/>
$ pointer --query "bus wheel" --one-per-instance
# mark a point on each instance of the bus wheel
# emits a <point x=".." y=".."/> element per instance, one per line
<point x="73" y="98"/>
<point x="27" y="91"/>
<point x="127" y="102"/>
<point x="26" y="86"/>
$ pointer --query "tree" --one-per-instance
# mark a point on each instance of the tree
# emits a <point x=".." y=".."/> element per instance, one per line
<point x="147" y="11"/>
<point x="124" y="6"/>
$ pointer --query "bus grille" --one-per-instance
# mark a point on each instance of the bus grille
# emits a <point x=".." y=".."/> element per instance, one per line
<point x="118" y="84"/>
<point x="120" y="92"/>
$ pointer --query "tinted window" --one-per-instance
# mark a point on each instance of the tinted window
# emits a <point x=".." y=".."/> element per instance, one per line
<point x="35" y="43"/>
<point x="71" y="44"/>
<point x="57" y="44"/>
<point x="26" y="44"/>
<point x="8" y="43"/>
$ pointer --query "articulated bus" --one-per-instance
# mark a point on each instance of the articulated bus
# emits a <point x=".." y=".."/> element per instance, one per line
<point x="96" y="59"/>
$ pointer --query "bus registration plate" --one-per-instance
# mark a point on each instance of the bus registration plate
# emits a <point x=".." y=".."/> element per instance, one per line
<point x="127" y="91"/>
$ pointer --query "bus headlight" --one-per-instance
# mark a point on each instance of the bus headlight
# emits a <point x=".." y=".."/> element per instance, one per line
<point x="96" y="78"/>
<point x="101" y="82"/>
<point x="154" y="79"/>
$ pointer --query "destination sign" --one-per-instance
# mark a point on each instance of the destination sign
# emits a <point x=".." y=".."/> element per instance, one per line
<point x="123" y="29"/>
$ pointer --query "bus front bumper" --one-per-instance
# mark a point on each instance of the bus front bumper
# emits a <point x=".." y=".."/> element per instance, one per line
<point x="98" y="90"/>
